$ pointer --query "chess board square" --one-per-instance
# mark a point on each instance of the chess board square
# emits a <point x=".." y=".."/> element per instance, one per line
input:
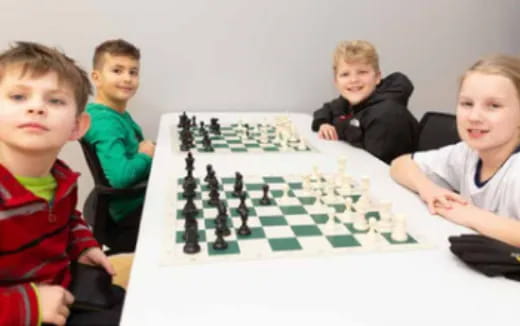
<point x="274" y="180"/>
<point x="234" y="141"/>
<point x="219" y="145"/>
<point x="388" y="237"/>
<point x="256" y="233"/>
<point x="210" y="212"/>
<point x="255" y="194"/>
<point x="284" y="244"/>
<point x="240" y="149"/>
<point x="303" y="219"/>
<point x="281" y="231"/>
<point x="334" y="229"/>
<point x="256" y="202"/>
<point x="295" y="185"/>
<point x="306" y="230"/>
<point x="180" y="181"/>
<point x="181" y="217"/>
<point x="268" y="210"/>
<point x="293" y="210"/>
<point x="307" y="200"/>
<point x="343" y="241"/>
<point x="180" y="196"/>
<point x="271" y="148"/>
<point x="234" y="211"/>
<point x="315" y="244"/>
<point x="254" y="248"/>
<point x="232" y="249"/>
<point x="288" y="201"/>
<point x="272" y="220"/>
<point x="252" y="145"/>
<point x="373" y="214"/>
<point x="319" y="218"/>
<point x="277" y="187"/>
<point x="350" y="227"/>
<point x="180" y="234"/>
<point x="254" y="186"/>
<point x="228" y="180"/>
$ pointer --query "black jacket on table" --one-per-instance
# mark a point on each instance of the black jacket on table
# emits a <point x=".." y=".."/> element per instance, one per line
<point x="380" y="124"/>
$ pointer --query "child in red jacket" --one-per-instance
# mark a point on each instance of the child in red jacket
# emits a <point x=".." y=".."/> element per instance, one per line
<point x="42" y="96"/>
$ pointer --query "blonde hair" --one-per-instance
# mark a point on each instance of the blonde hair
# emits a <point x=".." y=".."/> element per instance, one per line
<point x="498" y="64"/>
<point x="356" y="51"/>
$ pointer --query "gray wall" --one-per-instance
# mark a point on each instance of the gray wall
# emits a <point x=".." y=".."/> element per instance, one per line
<point x="267" y="55"/>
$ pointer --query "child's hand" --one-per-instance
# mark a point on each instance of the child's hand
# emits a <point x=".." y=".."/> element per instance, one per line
<point x="327" y="131"/>
<point x="54" y="302"/>
<point x="147" y="147"/>
<point x="96" y="257"/>
<point x="460" y="213"/>
<point x="435" y="197"/>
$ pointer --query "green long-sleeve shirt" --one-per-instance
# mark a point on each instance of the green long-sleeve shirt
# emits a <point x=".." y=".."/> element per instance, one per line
<point x="116" y="138"/>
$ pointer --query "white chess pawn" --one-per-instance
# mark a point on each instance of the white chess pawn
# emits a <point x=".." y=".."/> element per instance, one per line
<point x="315" y="173"/>
<point x="360" y="222"/>
<point x="306" y="184"/>
<point x="301" y="144"/>
<point x="399" y="229"/>
<point x="317" y="202"/>
<point x="341" y="164"/>
<point x="285" y="195"/>
<point x="372" y="230"/>
<point x="331" y="222"/>
<point x="347" y="213"/>
<point x="364" y="184"/>
<point x="385" y="216"/>
<point x="294" y="135"/>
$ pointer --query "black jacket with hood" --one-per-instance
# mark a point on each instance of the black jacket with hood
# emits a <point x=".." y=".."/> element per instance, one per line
<point x="380" y="124"/>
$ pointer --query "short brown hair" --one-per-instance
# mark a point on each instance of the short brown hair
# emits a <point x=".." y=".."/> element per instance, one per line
<point x="114" y="47"/>
<point x="498" y="64"/>
<point x="356" y="51"/>
<point x="39" y="59"/>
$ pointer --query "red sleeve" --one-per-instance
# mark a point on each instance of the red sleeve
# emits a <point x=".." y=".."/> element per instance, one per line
<point x="81" y="237"/>
<point x="18" y="305"/>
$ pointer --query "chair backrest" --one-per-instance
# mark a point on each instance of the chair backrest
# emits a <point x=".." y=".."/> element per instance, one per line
<point x="93" y="163"/>
<point x="437" y="129"/>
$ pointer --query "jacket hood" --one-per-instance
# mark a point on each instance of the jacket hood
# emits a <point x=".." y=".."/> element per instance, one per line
<point x="396" y="87"/>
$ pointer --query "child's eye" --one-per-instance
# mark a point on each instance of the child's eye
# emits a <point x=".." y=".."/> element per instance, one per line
<point x="495" y="106"/>
<point x="57" y="101"/>
<point x="466" y="104"/>
<point x="344" y="74"/>
<point x="117" y="71"/>
<point x="17" y="97"/>
<point x="134" y="72"/>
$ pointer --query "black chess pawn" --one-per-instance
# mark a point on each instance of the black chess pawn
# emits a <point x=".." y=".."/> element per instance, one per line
<point x="244" y="228"/>
<point x="222" y="217"/>
<point x="220" y="243"/>
<point x="182" y="120"/>
<point x="206" y="143"/>
<point x="242" y="204"/>
<point x="239" y="184"/>
<point x="265" y="198"/>
<point x="209" y="168"/>
<point x="191" y="246"/>
<point x="201" y="123"/>
<point x="194" y="121"/>
<point x="213" y="193"/>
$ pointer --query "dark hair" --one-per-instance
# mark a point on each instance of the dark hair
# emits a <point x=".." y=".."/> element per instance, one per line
<point x="114" y="47"/>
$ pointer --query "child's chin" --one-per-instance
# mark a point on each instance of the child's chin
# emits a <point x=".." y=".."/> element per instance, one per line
<point x="353" y="100"/>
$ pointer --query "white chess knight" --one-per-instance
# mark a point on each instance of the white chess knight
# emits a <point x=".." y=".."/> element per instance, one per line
<point x="399" y="228"/>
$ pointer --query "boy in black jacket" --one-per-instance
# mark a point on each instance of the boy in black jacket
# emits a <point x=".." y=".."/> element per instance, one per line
<point x="371" y="112"/>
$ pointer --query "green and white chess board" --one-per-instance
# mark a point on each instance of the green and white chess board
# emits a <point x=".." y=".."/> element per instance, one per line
<point x="289" y="226"/>
<point x="233" y="139"/>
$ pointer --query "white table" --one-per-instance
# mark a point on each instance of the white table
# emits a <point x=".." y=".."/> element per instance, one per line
<point x="418" y="287"/>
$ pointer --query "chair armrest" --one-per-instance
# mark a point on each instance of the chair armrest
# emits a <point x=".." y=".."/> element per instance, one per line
<point x="117" y="192"/>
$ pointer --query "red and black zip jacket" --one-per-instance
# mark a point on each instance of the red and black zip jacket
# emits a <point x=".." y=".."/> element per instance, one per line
<point x="38" y="240"/>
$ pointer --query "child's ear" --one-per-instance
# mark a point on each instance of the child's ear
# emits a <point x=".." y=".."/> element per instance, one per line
<point x="81" y="127"/>
<point x="95" y="76"/>
<point x="378" y="77"/>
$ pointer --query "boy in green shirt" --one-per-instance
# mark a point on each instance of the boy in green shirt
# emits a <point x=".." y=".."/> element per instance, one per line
<point x="124" y="154"/>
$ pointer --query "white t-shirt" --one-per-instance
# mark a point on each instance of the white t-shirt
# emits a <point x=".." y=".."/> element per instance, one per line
<point x="456" y="167"/>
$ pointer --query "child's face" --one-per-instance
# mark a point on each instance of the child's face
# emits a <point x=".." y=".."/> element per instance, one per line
<point x="356" y="81"/>
<point x="118" y="77"/>
<point x="37" y="115"/>
<point x="488" y="113"/>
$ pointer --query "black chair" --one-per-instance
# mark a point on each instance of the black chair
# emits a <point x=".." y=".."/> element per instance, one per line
<point x="436" y="129"/>
<point x="95" y="209"/>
